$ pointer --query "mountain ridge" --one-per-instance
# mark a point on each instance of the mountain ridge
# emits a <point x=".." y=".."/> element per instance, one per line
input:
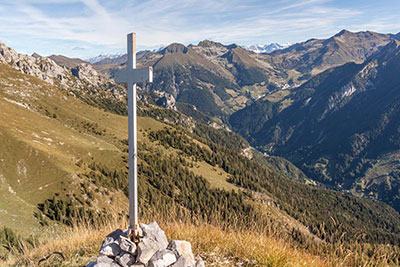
<point x="244" y="76"/>
<point x="66" y="61"/>
<point x="266" y="48"/>
<point x="343" y="120"/>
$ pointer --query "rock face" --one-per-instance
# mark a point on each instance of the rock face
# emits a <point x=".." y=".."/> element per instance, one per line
<point x="152" y="249"/>
<point x="73" y="76"/>
<point x="88" y="74"/>
<point x="41" y="67"/>
<point x="166" y="100"/>
<point x="48" y="70"/>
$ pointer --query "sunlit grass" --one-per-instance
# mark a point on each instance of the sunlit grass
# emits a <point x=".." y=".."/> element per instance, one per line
<point x="219" y="244"/>
<point x="216" y="246"/>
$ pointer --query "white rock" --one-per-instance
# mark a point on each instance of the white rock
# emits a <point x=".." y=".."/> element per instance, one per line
<point x="113" y="264"/>
<point x="116" y="234"/>
<point x="200" y="263"/>
<point x="182" y="262"/>
<point x="110" y="250"/>
<point x="153" y="250"/>
<point x="162" y="258"/>
<point x="154" y="232"/>
<point x="112" y="237"/>
<point x="107" y="240"/>
<point x="127" y="245"/>
<point x="104" y="259"/>
<point x="182" y="248"/>
<point x="146" y="249"/>
<point x="126" y="259"/>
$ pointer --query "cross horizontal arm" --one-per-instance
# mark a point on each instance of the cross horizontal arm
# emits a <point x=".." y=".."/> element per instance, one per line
<point x="134" y="75"/>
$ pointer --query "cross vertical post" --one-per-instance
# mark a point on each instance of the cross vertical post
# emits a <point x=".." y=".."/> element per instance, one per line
<point x="131" y="76"/>
<point x="132" y="138"/>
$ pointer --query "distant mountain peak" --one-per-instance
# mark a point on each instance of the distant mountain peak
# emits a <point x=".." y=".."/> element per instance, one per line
<point x="267" y="48"/>
<point x="174" y="48"/>
<point x="103" y="56"/>
<point x="66" y="61"/>
<point x="343" y="32"/>
<point x="209" y="43"/>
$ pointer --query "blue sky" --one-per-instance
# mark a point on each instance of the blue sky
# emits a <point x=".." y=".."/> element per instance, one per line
<point x="86" y="28"/>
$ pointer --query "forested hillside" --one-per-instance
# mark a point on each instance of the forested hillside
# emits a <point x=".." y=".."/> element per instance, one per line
<point x="341" y="128"/>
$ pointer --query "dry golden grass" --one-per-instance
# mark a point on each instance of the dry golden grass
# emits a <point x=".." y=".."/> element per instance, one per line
<point x="217" y="247"/>
<point x="242" y="248"/>
<point x="217" y="243"/>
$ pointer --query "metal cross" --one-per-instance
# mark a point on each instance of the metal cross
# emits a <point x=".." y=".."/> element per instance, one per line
<point x="130" y="75"/>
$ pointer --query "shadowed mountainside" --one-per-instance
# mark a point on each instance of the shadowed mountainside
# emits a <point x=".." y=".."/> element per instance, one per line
<point x="340" y="126"/>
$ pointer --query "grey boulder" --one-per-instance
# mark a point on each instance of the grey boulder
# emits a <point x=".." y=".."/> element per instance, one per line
<point x="104" y="261"/>
<point x="153" y="231"/>
<point x="162" y="258"/>
<point x="110" y="250"/>
<point x="126" y="259"/>
<point x="113" y="264"/>
<point x="182" y="262"/>
<point x="116" y="234"/>
<point x="200" y="263"/>
<point x="150" y="250"/>
<point x="127" y="245"/>
<point x="112" y="237"/>
<point x="182" y="248"/>
<point x="146" y="249"/>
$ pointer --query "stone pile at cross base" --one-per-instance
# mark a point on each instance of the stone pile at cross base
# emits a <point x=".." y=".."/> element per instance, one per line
<point x="151" y="249"/>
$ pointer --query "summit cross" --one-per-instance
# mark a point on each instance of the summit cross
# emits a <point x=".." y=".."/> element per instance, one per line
<point x="131" y="75"/>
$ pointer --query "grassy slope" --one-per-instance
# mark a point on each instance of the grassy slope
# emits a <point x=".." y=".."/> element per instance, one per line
<point x="39" y="152"/>
<point x="46" y="133"/>
<point x="44" y="150"/>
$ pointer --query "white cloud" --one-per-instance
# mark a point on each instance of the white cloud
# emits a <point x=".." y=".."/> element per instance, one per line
<point x="80" y="48"/>
<point x="105" y="23"/>
<point x="381" y="24"/>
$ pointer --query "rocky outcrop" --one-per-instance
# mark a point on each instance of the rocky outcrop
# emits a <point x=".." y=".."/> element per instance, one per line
<point x="166" y="100"/>
<point x="41" y="67"/>
<point x="86" y="72"/>
<point x="82" y="81"/>
<point x="49" y="71"/>
<point x="150" y="249"/>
